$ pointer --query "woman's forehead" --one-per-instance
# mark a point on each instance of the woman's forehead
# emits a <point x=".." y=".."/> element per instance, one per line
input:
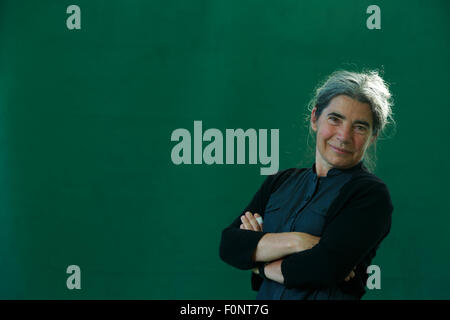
<point x="349" y="108"/>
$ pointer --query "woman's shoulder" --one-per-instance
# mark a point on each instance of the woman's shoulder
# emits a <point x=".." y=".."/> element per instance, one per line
<point x="366" y="183"/>
<point x="365" y="192"/>
<point x="366" y="178"/>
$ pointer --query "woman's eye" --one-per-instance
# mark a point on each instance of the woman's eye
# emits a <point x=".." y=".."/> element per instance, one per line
<point x="333" y="119"/>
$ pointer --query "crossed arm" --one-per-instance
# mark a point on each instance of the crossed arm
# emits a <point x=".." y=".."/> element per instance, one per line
<point x="273" y="247"/>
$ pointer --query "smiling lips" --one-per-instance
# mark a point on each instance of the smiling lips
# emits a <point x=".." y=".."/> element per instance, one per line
<point x="338" y="150"/>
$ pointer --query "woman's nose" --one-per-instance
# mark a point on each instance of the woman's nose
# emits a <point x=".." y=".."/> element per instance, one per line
<point x="344" y="134"/>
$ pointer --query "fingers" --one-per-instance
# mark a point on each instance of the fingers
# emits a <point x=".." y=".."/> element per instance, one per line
<point x="350" y="276"/>
<point x="246" y="223"/>
<point x="250" y="222"/>
<point x="259" y="219"/>
<point x="253" y="218"/>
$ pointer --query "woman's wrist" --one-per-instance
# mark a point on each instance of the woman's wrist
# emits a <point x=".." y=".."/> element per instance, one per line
<point x="272" y="271"/>
<point x="261" y="271"/>
<point x="294" y="242"/>
<point x="302" y="241"/>
<point x="273" y="246"/>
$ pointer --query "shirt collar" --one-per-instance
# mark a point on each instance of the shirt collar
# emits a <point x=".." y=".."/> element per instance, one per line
<point x="336" y="171"/>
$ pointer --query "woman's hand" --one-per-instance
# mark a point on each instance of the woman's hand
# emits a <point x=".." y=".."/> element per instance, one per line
<point x="351" y="275"/>
<point x="251" y="222"/>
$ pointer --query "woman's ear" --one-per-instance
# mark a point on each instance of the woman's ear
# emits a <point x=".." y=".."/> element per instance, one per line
<point x="314" y="119"/>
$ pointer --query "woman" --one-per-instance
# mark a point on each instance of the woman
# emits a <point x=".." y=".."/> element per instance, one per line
<point x="311" y="233"/>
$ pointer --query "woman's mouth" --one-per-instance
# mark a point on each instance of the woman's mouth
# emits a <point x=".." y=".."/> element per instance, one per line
<point x="339" y="150"/>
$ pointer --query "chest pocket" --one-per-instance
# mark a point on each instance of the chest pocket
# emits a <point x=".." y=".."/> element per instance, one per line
<point x="274" y="213"/>
<point x="311" y="220"/>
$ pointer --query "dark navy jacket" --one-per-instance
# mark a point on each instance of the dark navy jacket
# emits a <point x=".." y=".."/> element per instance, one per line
<point x="349" y="209"/>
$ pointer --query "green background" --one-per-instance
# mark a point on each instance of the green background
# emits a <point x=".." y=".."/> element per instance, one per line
<point x="86" y="116"/>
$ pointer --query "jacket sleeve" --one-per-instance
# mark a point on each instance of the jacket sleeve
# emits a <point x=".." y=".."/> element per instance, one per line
<point x="356" y="231"/>
<point x="237" y="246"/>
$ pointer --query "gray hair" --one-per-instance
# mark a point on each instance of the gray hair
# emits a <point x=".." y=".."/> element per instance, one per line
<point x="366" y="87"/>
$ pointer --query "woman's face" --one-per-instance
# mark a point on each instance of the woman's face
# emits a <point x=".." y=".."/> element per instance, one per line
<point x="343" y="133"/>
